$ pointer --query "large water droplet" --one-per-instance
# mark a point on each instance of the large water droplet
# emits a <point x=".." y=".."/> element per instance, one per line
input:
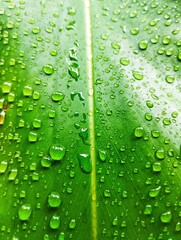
<point x="85" y="163"/>
<point x="24" y="212"/>
<point x="48" y="69"/>
<point x="166" y="217"/>
<point x="54" y="199"/>
<point x="57" y="152"/>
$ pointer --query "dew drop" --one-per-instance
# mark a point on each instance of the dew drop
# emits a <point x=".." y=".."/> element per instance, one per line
<point x="138" y="132"/>
<point x="137" y="75"/>
<point x="85" y="162"/>
<point x="54" y="199"/>
<point x="24" y="212"/>
<point x="57" y="96"/>
<point x="74" y="70"/>
<point x="55" y="221"/>
<point x="57" y="152"/>
<point x="72" y="224"/>
<point x="166" y="217"/>
<point x="143" y="44"/>
<point x="48" y="69"/>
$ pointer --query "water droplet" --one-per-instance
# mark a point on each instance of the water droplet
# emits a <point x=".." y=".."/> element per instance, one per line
<point x="149" y="104"/>
<point x="3" y="166"/>
<point x="24" y="212"/>
<point x="102" y="155"/>
<point x="48" y="69"/>
<point x="74" y="70"/>
<point x="143" y="44"/>
<point x="72" y="54"/>
<point x="178" y="227"/>
<point x="166" y="40"/>
<point x="12" y="174"/>
<point x="124" y="61"/>
<point x="54" y="199"/>
<point x="72" y="224"/>
<point x="55" y="221"/>
<point x="148" y="209"/>
<point x="154" y="192"/>
<point x="157" y="167"/>
<point x="85" y="163"/>
<point x="137" y="75"/>
<point x="32" y="137"/>
<point x="27" y="91"/>
<point x="115" y="45"/>
<point x="179" y="55"/>
<point x="166" y="121"/>
<point x="46" y="162"/>
<point x="36" y="30"/>
<point x="37" y="123"/>
<point x="155" y="133"/>
<point x="169" y="79"/>
<point x="57" y="96"/>
<point x="115" y="221"/>
<point x="160" y="154"/>
<point x="57" y="152"/>
<point x="134" y="31"/>
<point x="6" y="87"/>
<point x="84" y="135"/>
<point x="2" y="117"/>
<point x="138" y="132"/>
<point x="107" y="193"/>
<point x="61" y="236"/>
<point x="166" y="217"/>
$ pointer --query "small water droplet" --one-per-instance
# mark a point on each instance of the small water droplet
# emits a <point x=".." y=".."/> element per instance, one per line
<point x="72" y="224"/>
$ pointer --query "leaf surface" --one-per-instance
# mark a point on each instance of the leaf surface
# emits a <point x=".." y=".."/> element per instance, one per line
<point x="90" y="119"/>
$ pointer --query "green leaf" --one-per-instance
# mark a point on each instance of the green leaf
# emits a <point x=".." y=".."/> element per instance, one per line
<point x="90" y="119"/>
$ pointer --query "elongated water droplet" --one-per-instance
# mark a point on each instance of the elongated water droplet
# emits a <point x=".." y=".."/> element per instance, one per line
<point x="85" y="163"/>
<point x="74" y="70"/>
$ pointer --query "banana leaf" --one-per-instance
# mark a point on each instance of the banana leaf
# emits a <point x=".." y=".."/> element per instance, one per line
<point x="90" y="119"/>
